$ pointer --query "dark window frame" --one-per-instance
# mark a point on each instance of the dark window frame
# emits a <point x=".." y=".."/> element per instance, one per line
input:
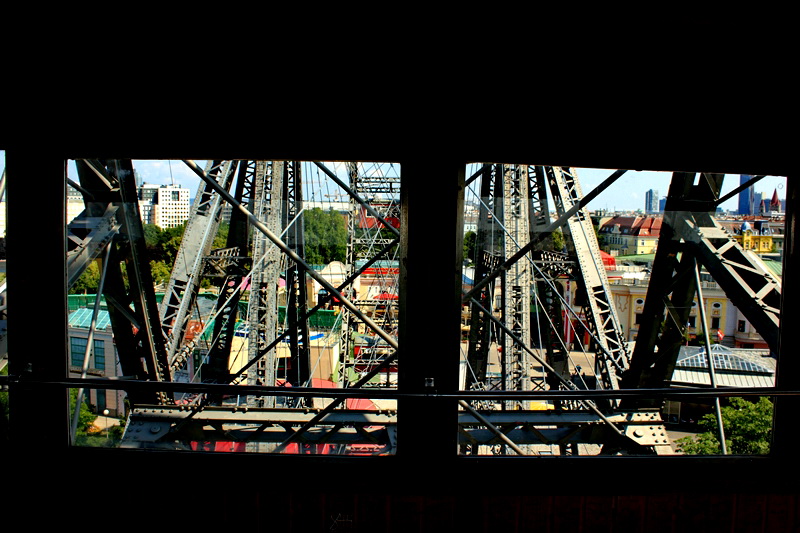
<point x="425" y="450"/>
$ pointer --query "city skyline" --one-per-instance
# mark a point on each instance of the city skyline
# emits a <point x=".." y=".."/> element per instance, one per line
<point x="628" y="192"/>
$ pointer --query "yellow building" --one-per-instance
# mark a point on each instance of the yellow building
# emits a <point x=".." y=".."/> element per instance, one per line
<point x="754" y="234"/>
<point x="630" y="235"/>
<point x="629" y="295"/>
<point x="760" y="244"/>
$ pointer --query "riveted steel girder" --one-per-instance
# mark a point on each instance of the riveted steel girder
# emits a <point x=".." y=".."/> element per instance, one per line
<point x="177" y="426"/>
<point x="690" y="234"/>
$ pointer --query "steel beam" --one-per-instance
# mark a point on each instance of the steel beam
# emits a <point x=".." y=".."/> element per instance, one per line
<point x="198" y="235"/>
<point x="299" y="374"/>
<point x="486" y="244"/>
<point x="689" y="232"/>
<point x="180" y="425"/>
<point x="611" y="353"/>
<point x="130" y="295"/>
<point x="217" y="369"/>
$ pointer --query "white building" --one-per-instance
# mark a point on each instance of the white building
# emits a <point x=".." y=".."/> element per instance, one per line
<point x="166" y="206"/>
<point x="75" y="203"/>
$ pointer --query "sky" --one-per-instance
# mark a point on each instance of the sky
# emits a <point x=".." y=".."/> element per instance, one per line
<point x="626" y="194"/>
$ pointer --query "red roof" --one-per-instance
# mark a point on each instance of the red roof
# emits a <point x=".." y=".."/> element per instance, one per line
<point x="775" y="200"/>
<point x="608" y="260"/>
<point x="647" y="226"/>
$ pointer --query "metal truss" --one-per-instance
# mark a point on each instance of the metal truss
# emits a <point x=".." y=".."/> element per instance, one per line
<point x="201" y="228"/>
<point x="516" y="293"/>
<point x="525" y="188"/>
<point x="489" y="258"/>
<point x="611" y="353"/>
<point x="690" y="235"/>
<point x="512" y="227"/>
<point x="236" y="267"/>
<point x="262" y="314"/>
<point x="514" y="218"/>
<point x="480" y="332"/>
<point x="298" y="374"/>
<point x="372" y="235"/>
<point x="549" y="266"/>
<point x="179" y="426"/>
<point x="109" y="191"/>
<point x="87" y="237"/>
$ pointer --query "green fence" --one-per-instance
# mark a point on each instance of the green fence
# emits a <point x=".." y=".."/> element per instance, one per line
<point x="321" y="320"/>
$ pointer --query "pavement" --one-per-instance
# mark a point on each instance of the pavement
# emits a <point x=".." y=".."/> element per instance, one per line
<point x="105" y="422"/>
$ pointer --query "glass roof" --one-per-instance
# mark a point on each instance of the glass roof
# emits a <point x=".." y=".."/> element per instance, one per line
<point x="82" y="318"/>
<point x="722" y="361"/>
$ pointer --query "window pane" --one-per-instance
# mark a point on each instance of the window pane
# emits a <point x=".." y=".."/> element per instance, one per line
<point x="99" y="355"/>
<point x="291" y="287"/>
<point x="77" y="351"/>
<point x="557" y="317"/>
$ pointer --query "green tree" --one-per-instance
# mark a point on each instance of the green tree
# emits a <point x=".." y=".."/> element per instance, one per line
<point x="163" y="244"/>
<point x="85" y="418"/>
<point x="170" y="242"/>
<point x="325" y="236"/>
<point x="470" y="238"/>
<point x="558" y="240"/>
<point x="152" y="238"/>
<point x="221" y="238"/>
<point x="160" y="271"/>
<point x="553" y="242"/>
<point x="748" y="430"/>
<point x="601" y="237"/>
<point x="88" y="281"/>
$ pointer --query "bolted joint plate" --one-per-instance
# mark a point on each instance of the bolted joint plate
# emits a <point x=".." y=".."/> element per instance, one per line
<point x="646" y="429"/>
<point x="648" y="435"/>
<point x="145" y="431"/>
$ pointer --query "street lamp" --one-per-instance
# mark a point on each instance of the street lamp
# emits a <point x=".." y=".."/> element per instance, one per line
<point x="105" y="414"/>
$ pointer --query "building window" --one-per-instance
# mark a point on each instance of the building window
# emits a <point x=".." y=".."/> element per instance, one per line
<point x="741" y="327"/>
<point x="715" y="322"/>
<point x="77" y="349"/>
<point x="99" y="355"/>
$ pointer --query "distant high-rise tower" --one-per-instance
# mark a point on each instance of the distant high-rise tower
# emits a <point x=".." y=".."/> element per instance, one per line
<point x="651" y="201"/>
<point x="747" y="199"/>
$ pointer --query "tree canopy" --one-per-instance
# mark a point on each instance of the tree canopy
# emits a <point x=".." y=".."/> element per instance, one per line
<point x="553" y="242"/>
<point x="325" y="236"/>
<point x="748" y="430"/>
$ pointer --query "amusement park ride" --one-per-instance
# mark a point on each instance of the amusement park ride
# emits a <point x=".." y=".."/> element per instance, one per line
<point x="275" y="403"/>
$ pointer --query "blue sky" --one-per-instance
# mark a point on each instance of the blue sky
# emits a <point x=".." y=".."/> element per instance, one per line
<point x="627" y="193"/>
